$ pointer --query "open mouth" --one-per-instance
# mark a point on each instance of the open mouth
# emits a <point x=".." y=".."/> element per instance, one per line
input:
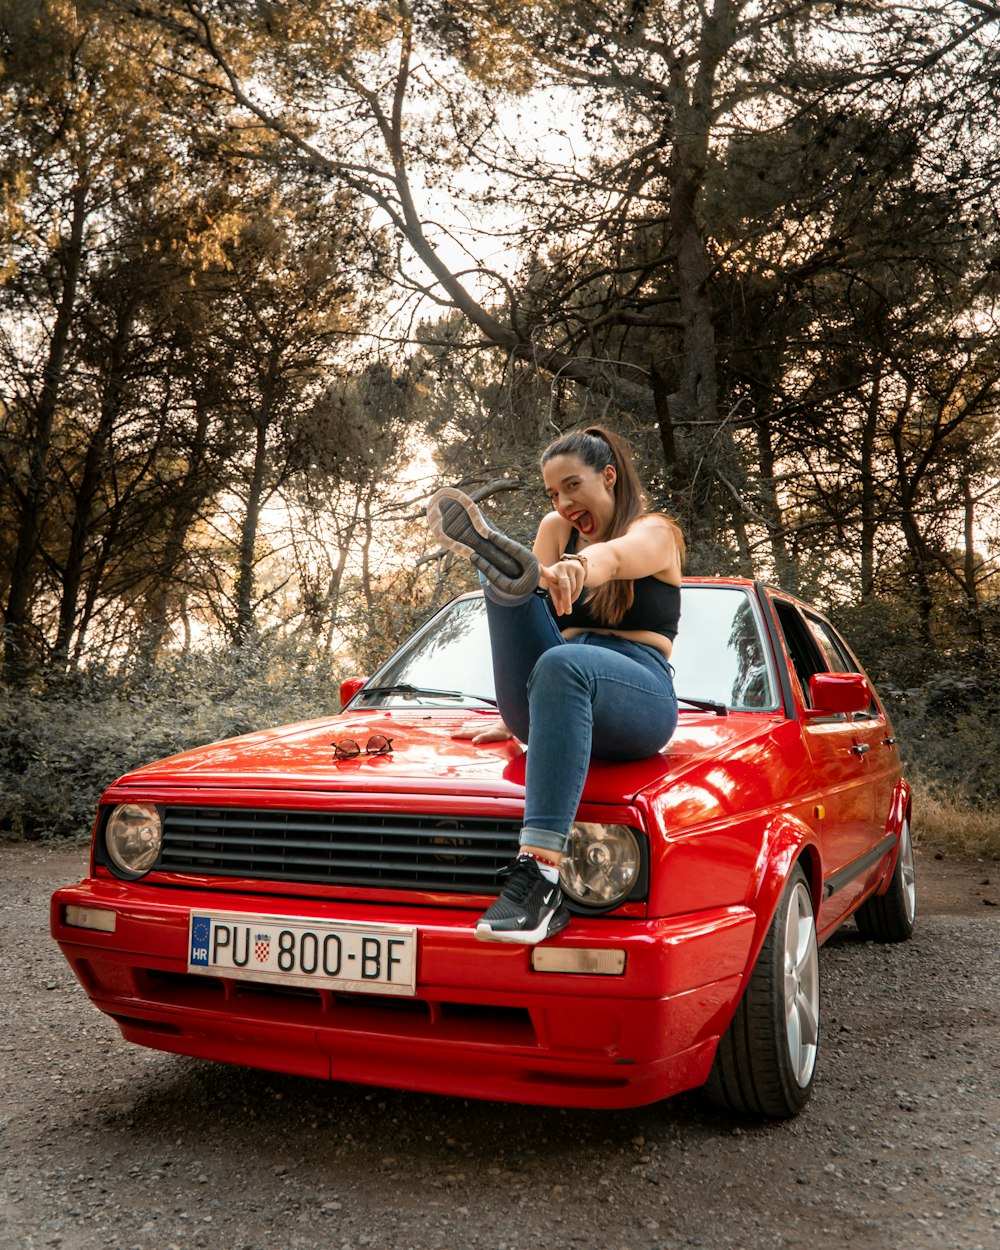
<point x="582" y="521"/>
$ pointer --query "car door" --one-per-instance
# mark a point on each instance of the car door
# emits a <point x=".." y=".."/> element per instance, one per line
<point x="840" y="747"/>
<point x="875" y="740"/>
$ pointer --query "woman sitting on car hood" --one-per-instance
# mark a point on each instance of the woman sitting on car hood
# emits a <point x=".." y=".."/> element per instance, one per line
<point x="581" y="629"/>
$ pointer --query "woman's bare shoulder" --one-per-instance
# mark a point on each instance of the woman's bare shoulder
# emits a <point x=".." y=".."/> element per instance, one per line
<point x="551" y="538"/>
<point x="552" y="528"/>
<point x="553" y="523"/>
<point x="655" y="520"/>
<point x="662" y="537"/>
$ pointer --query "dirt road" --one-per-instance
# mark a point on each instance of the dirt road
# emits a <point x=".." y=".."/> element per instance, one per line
<point x="106" y="1146"/>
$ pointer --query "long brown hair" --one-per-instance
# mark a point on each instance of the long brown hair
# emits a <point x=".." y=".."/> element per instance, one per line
<point x="597" y="447"/>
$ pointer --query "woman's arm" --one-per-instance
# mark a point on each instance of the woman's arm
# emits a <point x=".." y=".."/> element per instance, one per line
<point x="648" y="548"/>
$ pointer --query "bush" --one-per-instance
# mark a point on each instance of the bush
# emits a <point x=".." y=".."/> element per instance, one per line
<point x="61" y="746"/>
<point x="940" y="698"/>
<point x="949" y="739"/>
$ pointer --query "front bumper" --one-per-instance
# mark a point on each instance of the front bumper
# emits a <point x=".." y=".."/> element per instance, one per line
<point x="483" y="1023"/>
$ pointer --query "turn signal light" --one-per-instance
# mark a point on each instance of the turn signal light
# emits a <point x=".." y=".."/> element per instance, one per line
<point x="603" y="963"/>
<point x="90" y="918"/>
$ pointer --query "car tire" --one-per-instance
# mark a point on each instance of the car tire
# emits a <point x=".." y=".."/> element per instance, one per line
<point x="766" y="1059"/>
<point x="889" y="917"/>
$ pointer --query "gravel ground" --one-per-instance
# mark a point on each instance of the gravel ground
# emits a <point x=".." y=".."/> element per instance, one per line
<point x="103" y="1144"/>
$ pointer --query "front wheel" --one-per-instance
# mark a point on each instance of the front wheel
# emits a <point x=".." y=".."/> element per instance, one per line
<point x="889" y="917"/>
<point x="767" y="1057"/>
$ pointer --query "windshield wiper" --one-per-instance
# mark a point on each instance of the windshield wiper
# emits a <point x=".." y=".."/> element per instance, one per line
<point x="404" y="687"/>
<point x="705" y="705"/>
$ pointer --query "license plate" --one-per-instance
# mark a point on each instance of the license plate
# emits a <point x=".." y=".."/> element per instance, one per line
<point x="288" y="950"/>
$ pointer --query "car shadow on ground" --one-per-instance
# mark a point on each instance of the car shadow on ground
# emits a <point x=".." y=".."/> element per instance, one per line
<point x="279" y="1119"/>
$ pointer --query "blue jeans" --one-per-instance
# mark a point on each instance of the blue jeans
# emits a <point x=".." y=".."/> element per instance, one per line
<point x="597" y="695"/>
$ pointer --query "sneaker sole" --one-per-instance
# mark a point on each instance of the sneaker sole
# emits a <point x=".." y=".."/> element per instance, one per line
<point x="462" y="528"/>
<point x="554" y="923"/>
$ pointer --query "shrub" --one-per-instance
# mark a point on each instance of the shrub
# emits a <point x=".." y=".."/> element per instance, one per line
<point x="940" y="698"/>
<point x="62" y="745"/>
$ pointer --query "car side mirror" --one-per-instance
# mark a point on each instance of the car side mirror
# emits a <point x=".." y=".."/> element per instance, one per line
<point x="832" y="693"/>
<point x="349" y="688"/>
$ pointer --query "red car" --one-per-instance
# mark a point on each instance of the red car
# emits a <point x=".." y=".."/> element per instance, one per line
<point x="280" y="901"/>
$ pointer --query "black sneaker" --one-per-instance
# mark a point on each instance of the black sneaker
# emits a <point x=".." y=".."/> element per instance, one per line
<point x="458" y="524"/>
<point x="529" y="908"/>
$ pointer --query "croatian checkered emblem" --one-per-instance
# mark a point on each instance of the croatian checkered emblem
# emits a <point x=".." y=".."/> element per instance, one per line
<point x="261" y="946"/>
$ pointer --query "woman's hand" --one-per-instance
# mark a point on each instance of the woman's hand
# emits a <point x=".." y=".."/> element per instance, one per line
<point x="480" y="732"/>
<point x="564" y="582"/>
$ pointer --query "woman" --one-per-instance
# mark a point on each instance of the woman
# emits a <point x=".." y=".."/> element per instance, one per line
<point x="581" y="630"/>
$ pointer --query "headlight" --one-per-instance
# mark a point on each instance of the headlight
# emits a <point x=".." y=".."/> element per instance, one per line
<point x="133" y="836"/>
<point x="601" y="864"/>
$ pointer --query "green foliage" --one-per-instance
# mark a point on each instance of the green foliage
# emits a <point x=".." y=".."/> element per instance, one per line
<point x="940" y="698"/>
<point x="402" y="601"/>
<point x="949" y="740"/>
<point x="61" y="746"/>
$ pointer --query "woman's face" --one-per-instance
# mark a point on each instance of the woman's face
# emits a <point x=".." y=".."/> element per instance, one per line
<point x="581" y="495"/>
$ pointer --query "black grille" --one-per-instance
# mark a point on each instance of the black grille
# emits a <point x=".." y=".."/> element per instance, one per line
<point x="453" y="854"/>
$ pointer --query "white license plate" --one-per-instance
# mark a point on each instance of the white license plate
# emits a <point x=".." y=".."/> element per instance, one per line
<point x="289" y="950"/>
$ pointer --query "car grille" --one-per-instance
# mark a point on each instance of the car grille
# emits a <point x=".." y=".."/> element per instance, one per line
<point x="452" y="854"/>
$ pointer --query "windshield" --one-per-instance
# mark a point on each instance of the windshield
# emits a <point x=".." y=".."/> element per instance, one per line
<point x="720" y="656"/>
<point x="445" y="664"/>
<point x="720" y="653"/>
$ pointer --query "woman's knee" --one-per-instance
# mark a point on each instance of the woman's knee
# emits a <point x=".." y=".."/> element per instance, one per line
<point x="554" y="670"/>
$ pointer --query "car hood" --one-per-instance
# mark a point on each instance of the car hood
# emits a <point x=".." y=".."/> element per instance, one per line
<point x="425" y="759"/>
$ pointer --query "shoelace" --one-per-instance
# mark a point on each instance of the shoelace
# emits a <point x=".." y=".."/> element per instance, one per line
<point x="520" y="880"/>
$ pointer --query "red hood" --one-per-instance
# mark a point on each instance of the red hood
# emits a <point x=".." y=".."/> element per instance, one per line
<point x="425" y="759"/>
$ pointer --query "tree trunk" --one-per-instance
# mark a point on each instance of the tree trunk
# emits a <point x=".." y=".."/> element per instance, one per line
<point x="32" y="501"/>
<point x="664" y="423"/>
<point x="971" y="589"/>
<point x="869" y="519"/>
<point x="86" y="493"/>
<point x="693" y="105"/>
<point x="908" y="485"/>
<point x="366" y="543"/>
<point x="189" y="494"/>
<point x="785" y="569"/>
<point x="246" y="574"/>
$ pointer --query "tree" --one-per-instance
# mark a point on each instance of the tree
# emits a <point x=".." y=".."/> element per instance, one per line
<point x="290" y="291"/>
<point x="759" y="238"/>
<point x="158" y="301"/>
<point x="82" y="144"/>
<point x="625" y="254"/>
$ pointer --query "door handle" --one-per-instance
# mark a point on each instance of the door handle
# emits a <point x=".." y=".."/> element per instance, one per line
<point x="860" y="748"/>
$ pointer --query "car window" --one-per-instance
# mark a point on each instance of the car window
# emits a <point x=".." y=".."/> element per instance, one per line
<point x="814" y="647"/>
<point x="803" y="651"/>
<point x="719" y="655"/>
<point x="450" y="653"/>
<point x="836" y="654"/>
<point x="822" y="635"/>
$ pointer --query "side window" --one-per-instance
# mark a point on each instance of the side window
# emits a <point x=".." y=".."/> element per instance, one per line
<point x="836" y="660"/>
<point x="806" y="656"/>
<point x="814" y="647"/>
<point x="836" y="654"/>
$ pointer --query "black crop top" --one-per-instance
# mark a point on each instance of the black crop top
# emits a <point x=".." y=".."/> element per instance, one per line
<point x="656" y="607"/>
